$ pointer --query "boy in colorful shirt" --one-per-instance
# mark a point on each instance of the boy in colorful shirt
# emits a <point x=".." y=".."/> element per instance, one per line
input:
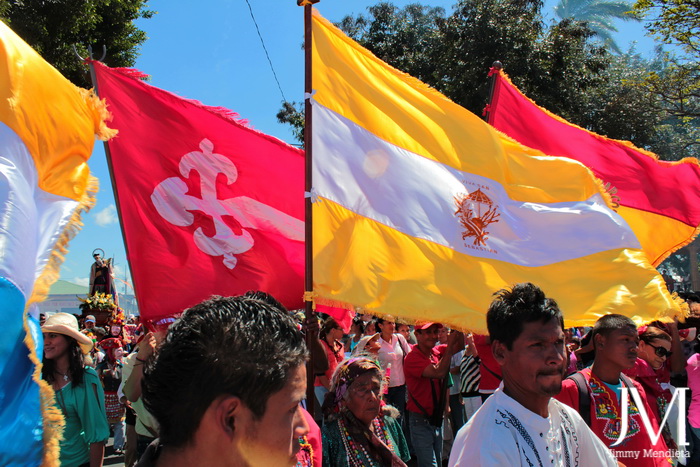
<point x="616" y="341"/>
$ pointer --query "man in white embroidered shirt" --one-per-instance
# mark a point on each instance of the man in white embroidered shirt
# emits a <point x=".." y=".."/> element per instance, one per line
<point x="521" y="424"/>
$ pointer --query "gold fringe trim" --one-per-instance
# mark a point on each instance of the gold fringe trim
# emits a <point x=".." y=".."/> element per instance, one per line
<point x="382" y="314"/>
<point x="668" y="253"/>
<point x="605" y="193"/>
<point x="102" y="115"/>
<point x="318" y="300"/>
<point x="684" y="308"/>
<point x="51" y="272"/>
<point x="53" y="421"/>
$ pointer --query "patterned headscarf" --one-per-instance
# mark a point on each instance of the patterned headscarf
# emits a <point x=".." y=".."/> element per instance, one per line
<point x="335" y="408"/>
<point x="345" y="374"/>
<point x="109" y="345"/>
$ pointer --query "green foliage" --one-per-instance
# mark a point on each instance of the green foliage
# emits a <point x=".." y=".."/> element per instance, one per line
<point x="598" y="15"/>
<point x="403" y="37"/>
<point x="52" y="27"/>
<point x="292" y="114"/>
<point x="674" y="22"/>
<point x="618" y="107"/>
<point x="477" y="34"/>
<point x="561" y="67"/>
<point x="675" y="86"/>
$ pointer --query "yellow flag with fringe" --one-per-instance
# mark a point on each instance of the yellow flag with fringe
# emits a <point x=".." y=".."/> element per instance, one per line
<point x="424" y="211"/>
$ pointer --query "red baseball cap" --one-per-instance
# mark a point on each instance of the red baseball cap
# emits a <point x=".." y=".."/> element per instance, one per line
<point x="421" y="325"/>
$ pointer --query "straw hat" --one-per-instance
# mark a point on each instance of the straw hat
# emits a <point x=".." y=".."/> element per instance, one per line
<point x="362" y="343"/>
<point x="67" y="324"/>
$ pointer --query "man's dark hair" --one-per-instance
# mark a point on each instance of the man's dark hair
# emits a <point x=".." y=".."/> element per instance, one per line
<point x="693" y="298"/>
<point x="267" y="298"/>
<point x="511" y="309"/>
<point x="225" y="345"/>
<point x="609" y="323"/>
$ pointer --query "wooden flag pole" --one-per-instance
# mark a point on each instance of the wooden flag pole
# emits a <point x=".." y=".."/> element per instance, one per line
<point x="497" y="66"/>
<point x="309" y="311"/>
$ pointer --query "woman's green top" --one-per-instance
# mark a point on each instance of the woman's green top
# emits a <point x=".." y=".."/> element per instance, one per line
<point x="335" y="454"/>
<point x="83" y="408"/>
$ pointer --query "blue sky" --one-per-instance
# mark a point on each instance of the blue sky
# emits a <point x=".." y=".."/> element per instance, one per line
<point x="211" y="52"/>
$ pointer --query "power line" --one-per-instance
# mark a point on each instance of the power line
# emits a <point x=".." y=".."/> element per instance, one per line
<point x="265" y="49"/>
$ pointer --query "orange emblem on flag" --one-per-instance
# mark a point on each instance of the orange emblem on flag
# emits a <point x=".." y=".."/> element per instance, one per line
<point x="475" y="212"/>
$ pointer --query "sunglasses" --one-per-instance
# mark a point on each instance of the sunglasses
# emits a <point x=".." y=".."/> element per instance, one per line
<point x="660" y="351"/>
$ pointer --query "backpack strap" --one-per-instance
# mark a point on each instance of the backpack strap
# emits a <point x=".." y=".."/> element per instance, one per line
<point x="403" y="344"/>
<point x="584" y="397"/>
<point x="626" y="381"/>
<point x="500" y="378"/>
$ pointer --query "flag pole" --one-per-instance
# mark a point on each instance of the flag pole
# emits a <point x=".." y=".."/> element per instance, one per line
<point x="493" y="74"/>
<point x="108" y="155"/>
<point x="309" y="311"/>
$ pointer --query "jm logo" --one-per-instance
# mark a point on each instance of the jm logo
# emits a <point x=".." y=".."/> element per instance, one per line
<point x="172" y="202"/>
<point x="678" y="394"/>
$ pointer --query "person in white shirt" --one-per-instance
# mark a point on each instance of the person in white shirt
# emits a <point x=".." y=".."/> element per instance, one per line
<point x="521" y="424"/>
<point x="392" y="351"/>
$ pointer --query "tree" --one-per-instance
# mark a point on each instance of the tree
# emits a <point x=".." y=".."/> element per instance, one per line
<point x="402" y="37"/>
<point x="675" y="86"/>
<point x="292" y="114"/>
<point x="599" y="16"/>
<point x="674" y="22"/>
<point x="560" y="66"/>
<point x="53" y="27"/>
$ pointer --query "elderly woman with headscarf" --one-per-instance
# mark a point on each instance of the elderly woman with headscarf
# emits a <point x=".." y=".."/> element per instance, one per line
<point x="79" y="394"/>
<point x="359" y="429"/>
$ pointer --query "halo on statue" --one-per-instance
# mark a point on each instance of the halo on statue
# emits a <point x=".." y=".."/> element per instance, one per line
<point x="94" y="252"/>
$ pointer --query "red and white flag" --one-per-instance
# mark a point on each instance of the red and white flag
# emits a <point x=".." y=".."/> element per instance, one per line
<point x="208" y="205"/>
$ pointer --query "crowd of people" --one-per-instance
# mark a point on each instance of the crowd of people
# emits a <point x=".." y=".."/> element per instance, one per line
<point x="225" y="384"/>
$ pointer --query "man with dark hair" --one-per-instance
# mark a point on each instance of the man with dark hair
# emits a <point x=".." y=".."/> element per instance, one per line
<point x="520" y="424"/>
<point x="426" y="368"/>
<point x="226" y="387"/>
<point x="596" y="393"/>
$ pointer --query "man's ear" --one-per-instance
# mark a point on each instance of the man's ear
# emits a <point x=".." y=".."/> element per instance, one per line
<point x="499" y="351"/>
<point x="226" y="410"/>
<point x="598" y="341"/>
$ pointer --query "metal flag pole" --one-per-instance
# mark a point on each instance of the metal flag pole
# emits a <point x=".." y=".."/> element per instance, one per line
<point x="493" y="74"/>
<point x="108" y="154"/>
<point x="309" y="311"/>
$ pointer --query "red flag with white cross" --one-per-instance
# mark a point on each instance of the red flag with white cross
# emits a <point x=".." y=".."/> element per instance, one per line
<point x="208" y="205"/>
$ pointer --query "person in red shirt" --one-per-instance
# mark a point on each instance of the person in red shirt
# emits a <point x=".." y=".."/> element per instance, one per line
<point x="425" y="368"/>
<point x="489" y="370"/>
<point x="616" y="342"/>
<point x="330" y="336"/>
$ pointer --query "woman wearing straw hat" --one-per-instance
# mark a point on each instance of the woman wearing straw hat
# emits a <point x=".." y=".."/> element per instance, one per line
<point x="79" y="394"/>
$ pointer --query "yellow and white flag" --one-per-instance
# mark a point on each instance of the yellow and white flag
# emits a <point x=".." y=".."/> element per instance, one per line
<point x="424" y="211"/>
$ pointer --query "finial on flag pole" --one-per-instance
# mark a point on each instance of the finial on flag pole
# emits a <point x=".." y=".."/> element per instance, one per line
<point x="82" y="59"/>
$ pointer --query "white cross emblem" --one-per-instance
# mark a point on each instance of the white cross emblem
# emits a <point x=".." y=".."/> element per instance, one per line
<point x="172" y="202"/>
